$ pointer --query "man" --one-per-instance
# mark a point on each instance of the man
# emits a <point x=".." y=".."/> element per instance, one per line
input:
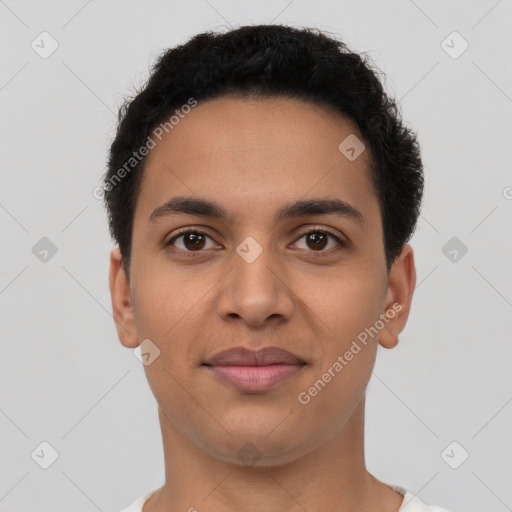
<point x="261" y="189"/>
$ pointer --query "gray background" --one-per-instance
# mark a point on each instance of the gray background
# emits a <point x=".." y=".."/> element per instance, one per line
<point x="64" y="377"/>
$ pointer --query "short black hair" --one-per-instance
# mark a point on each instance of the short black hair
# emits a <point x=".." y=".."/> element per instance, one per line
<point x="265" y="61"/>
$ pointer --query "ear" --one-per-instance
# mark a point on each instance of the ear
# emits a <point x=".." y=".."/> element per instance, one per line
<point x="397" y="304"/>
<point x="122" y="307"/>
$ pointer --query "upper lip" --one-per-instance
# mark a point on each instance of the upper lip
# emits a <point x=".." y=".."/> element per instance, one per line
<point x="241" y="356"/>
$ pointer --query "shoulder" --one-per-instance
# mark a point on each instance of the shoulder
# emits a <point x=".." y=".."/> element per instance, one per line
<point x="412" y="503"/>
<point x="137" y="505"/>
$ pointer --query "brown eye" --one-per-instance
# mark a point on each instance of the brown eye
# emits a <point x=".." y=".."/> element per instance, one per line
<point x="317" y="240"/>
<point x="191" y="241"/>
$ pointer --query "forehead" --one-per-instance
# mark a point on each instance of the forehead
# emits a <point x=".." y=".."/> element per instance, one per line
<point x="254" y="155"/>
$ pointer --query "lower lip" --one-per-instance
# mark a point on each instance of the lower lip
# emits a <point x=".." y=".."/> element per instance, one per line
<point x="255" y="378"/>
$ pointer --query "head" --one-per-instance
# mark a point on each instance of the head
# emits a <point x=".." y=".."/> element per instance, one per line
<point x="251" y="139"/>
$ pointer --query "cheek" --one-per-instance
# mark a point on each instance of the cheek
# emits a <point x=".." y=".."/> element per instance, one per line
<point x="335" y="394"/>
<point x="348" y="350"/>
<point x="171" y="308"/>
<point x="346" y="304"/>
<point x="163" y="299"/>
<point x="347" y="311"/>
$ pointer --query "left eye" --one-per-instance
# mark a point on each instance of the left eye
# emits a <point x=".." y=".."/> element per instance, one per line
<point x="318" y="240"/>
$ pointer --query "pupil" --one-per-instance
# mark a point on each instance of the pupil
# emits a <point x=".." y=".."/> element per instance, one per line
<point x="317" y="239"/>
<point x="195" y="239"/>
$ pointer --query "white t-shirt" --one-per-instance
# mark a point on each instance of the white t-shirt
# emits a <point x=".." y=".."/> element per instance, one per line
<point x="410" y="504"/>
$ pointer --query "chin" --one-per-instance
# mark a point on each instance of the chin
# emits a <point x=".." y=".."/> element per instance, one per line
<point x="265" y="453"/>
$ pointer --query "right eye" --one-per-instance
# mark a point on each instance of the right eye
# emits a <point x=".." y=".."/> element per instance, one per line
<point x="191" y="241"/>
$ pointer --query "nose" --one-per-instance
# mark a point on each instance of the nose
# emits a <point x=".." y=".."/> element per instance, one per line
<point x="255" y="292"/>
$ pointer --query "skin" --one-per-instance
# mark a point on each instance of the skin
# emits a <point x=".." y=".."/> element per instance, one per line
<point x="251" y="157"/>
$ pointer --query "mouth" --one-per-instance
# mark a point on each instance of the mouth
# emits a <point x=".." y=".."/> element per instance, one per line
<point x="254" y="378"/>
<point x="254" y="371"/>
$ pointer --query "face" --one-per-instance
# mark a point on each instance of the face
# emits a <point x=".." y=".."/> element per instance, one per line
<point x="308" y="281"/>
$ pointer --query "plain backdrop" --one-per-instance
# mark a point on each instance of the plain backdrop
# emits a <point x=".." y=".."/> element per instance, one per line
<point x="442" y="395"/>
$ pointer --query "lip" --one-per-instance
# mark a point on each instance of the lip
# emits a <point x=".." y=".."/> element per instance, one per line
<point x="241" y="356"/>
<point x="253" y="371"/>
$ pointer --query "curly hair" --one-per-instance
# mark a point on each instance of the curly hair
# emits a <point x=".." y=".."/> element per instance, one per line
<point x="265" y="61"/>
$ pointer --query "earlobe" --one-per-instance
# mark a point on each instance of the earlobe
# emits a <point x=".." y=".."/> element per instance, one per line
<point x="122" y="307"/>
<point x="397" y="304"/>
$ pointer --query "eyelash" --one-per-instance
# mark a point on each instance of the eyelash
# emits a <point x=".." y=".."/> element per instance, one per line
<point x="192" y="254"/>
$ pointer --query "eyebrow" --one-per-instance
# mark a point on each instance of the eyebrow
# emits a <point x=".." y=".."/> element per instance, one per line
<point x="206" y="208"/>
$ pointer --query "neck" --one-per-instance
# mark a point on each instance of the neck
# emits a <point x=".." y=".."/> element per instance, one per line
<point x="332" y="476"/>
